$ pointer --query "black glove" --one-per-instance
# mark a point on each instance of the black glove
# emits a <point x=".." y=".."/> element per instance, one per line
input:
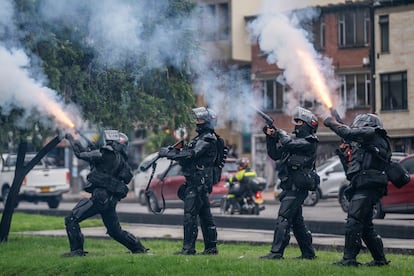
<point x="163" y="152"/>
<point x="330" y="121"/>
<point x="266" y="128"/>
<point x="69" y="137"/>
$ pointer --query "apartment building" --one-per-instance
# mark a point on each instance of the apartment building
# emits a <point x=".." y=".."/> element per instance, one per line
<point x="342" y="32"/>
<point x="394" y="71"/>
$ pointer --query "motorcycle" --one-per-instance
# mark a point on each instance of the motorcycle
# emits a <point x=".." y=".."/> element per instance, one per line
<point x="250" y="202"/>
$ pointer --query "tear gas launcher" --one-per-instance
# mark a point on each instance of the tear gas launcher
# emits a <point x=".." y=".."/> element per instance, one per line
<point x="269" y="121"/>
<point x="145" y="166"/>
<point x="90" y="143"/>
<point x="335" y="114"/>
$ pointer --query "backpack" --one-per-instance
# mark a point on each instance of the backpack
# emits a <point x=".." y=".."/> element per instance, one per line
<point x="222" y="151"/>
<point x="396" y="173"/>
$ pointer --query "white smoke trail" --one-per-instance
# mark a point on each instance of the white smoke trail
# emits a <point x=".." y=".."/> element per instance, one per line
<point x="288" y="46"/>
<point x="116" y="30"/>
<point x="18" y="89"/>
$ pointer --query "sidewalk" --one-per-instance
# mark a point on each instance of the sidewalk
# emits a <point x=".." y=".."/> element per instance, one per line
<point x="268" y="196"/>
<point x="226" y="235"/>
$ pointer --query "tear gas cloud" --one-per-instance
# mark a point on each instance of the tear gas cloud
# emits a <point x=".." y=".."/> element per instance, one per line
<point x="19" y="89"/>
<point x="119" y="33"/>
<point x="116" y="30"/>
<point x="309" y="75"/>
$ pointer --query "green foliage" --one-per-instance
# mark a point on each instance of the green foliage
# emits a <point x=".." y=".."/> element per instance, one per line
<point x="120" y="98"/>
<point x="107" y="257"/>
<point x="25" y="254"/>
<point x="28" y="222"/>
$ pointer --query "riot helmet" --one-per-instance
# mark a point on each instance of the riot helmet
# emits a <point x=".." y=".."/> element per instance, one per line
<point x="206" y="119"/>
<point x="367" y="120"/>
<point x="111" y="135"/>
<point x="305" y="122"/>
<point x="243" y="163"/>
<point x="116" y="140"/>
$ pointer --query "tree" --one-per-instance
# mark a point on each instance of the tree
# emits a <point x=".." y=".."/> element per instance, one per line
<point x="114" y="97"/>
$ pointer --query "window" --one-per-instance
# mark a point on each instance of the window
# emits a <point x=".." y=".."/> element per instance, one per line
<point x="319" y="33"/>
<point x="215" y="22"/>
<point x="353" y="28"/>
<point x="272" y="95"/>
<point x="384" y="33"/>
<point x="355" y="90"/>
<point x="394" y="91"/>
<point x="223" y="21"/>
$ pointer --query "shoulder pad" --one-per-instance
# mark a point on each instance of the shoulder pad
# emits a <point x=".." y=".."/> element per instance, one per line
<point x="107" y="147"/>
<point x="209" y="137"/>
<point x="311" y="138"/>
<point x="381" y="131"/>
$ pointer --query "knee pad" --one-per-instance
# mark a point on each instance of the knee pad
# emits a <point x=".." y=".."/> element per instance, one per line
<point x="282" y="221"/>
<point x="83" y="205"/>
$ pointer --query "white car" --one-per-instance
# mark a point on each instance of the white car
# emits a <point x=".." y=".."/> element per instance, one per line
<point x="141" y="178"/>
<point x="45" y="181"/>
<point x="332" y="177"/>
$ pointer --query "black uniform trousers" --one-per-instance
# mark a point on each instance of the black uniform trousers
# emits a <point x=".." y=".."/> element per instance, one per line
<point x="359" y="225"/>
<point x="103" y="203"/>
<point x="290" y="216"/>
<point x="197" y="206"/>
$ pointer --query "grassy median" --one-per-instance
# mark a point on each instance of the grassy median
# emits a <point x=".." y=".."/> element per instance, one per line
<point x="35" y="255"/>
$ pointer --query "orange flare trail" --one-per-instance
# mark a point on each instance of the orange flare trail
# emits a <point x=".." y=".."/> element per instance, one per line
<point x="315" y="78"/>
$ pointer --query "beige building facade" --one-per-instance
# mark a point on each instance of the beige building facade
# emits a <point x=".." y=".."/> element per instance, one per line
<point x="394" y="66"/>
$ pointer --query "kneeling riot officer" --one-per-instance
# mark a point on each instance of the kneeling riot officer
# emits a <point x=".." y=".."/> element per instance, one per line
<point x="297" y="161"/>
<point x="107" y="183"/>
<point x="365" y="169"/>
<point x="197" y="160"/>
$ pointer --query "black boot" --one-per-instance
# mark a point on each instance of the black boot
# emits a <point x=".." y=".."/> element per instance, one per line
<point x="272" y="256"/>
<point x="185" y="252"/>
<point x="376" y="248"/>
<point x="75" y="253"/>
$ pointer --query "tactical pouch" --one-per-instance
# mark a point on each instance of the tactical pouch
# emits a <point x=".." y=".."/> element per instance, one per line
<point x="370" y="179"/>
<point x="98" y="179"/>
<point x="125" y="174"/>
<point x="306" y="181"/>
<point x="397" y="175"/>
<point x="181" y="191"/>
<point x="118" y="188"/>
<point x="296" y="162"/>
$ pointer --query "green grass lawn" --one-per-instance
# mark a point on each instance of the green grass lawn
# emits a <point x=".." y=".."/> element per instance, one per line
<point x="35" y="255"/>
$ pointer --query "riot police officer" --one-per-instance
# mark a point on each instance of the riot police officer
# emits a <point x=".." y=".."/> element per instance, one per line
<point x="197" y="160"/>
<point x="107" y="183"/>
<point x="365" y="166"/>
<point x="297" y="175"/>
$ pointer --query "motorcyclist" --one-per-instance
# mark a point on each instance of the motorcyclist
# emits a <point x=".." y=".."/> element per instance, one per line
<point x="243" y="177"/>
<point x="296" y="172"/>
<point x="107" y="183"/>
<point x="197" y="160"/>
<point x="367" y="140"/>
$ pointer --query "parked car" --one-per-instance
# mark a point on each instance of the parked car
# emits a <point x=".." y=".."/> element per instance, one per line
<point x="167" y="185"/>
<point x="397" y="200"/>
<point x="332" y="175"/>
<point x="44" y="182"/>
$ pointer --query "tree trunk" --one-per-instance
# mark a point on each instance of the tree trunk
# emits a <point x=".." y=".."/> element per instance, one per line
<point x="19" y="174"/>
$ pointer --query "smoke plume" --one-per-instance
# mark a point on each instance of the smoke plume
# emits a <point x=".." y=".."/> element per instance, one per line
<point x="286" y="44"/>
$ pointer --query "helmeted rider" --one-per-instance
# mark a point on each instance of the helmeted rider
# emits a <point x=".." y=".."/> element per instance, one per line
<point x="107" y="183"/>
<point x="197" y="159"/>
<point x="297" y="160"/>
<point x="243" y="177"/>
<point x="369" y="147"/>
